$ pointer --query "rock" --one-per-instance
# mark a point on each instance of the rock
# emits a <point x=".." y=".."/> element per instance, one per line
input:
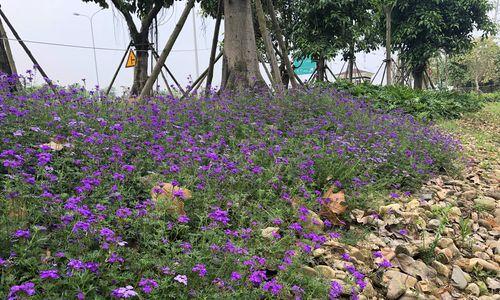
<point x="399" y="283"/>
<point x="490" y="266"/>
<point x="369" y="291"/>
<point x="441" y="269"/>
<point x="493" y="284"/>
<point x="319" y="252"/>
<point x="412" y="295"/>
<point x="459" y="278"/>
<point x="408" y="249"/>
<point x="442" y="194"/>
<point x="433" y="224"/>
<point x="495" y="194"/>
<point x="415" y="268"/>
<point x="473" y="289"/>
<point x="394" y="207"/>
<point x="469" y="195"/>
<point x="445" y="242"/>
<point x="269" y="232"/>
<point x="455" y="214"/>
<point x="485" y="224"/>
<point x="487" y="203"/>
<point x="325" y="271"/>
<point x="446" y="296"/>
<point x="497" y="215"/>
<point x="313" y="222"/>
<point x="308" y="271"/>
<point x="482" y="255"/>
<point x="482" y="287"/>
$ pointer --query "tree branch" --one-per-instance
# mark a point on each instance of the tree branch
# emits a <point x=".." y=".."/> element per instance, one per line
<point x="148" y="19"/>
<point x="128" y="18"/>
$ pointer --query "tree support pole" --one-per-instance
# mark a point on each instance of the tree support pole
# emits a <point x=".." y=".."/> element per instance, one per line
<point x="294" y="74"/>
<point x="169" y="72"/>
<point x="118" y="69"/>
<point x="200" y="79"/>
<point x="166" y="50"/>
<point x="28" y="52"/>
<point x="8" y="53"/>
<point x="281" y="43"/>
<point x="388" y="41"/>
<point x="215" y="39"/>
<point x="276" y="78"/>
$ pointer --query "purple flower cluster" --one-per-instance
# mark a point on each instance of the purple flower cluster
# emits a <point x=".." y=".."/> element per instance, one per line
<point x="245" y="158"/>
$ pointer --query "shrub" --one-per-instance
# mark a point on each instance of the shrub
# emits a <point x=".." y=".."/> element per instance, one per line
<point x="424" y="104"/>
<point x="79" y="216"/>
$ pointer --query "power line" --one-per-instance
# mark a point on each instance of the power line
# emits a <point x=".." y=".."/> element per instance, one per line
<point x="89" y="47"/>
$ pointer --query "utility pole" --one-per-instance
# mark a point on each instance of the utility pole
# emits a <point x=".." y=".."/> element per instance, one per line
<point x="93" y="40"/>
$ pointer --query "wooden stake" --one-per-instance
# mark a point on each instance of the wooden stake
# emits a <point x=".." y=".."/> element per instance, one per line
<point x="169" y="72"/>
<point x="200" y="79"/>
<point x="28" y="52"/>
<point x="9" y="60"/>
<point x="281" y="43"/>
<point x="166" y="50"/>
<point x="118" y="69"/>
<point x="215" y="39"/>
<point x="276" y="78"/>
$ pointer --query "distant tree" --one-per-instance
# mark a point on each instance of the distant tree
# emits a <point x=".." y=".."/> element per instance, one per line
<point x="323" y="29"/>
<point x="421" y="28"/>
<point x="477" y="67"/>
<point x="146" y="11"/>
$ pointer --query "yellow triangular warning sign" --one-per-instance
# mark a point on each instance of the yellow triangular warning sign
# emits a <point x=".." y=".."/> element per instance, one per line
<point x="131" y="60"/>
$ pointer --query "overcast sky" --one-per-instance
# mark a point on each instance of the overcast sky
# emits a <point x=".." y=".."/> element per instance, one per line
<point x="53" y="21"/>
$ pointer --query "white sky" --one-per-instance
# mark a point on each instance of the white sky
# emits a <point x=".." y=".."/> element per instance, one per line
<point x="53" y="21"/>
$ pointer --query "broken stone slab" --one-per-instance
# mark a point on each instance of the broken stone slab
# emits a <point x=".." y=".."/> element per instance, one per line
<point x="459" y="278"/>
<point x="398" y="283"/>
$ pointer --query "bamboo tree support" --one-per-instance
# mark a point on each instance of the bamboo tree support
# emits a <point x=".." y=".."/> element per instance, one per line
<point x="261" y="18"/>
<point x="166" y="51"/>
<point x="197" y="83"/>
<point x="388" y="41"/>
<point x="118" y="69"/>
<point x="281" y="43"/>
<point x="28" y="52"/>
<point x="294" y="74"/>
<point x="169" y="72"/>
<point x="261" y="60"/>
<point x="164" y="77"/>
<point x="215" y="39"/>
<point x="6" y="47"/>
<point x="333" y="75"/>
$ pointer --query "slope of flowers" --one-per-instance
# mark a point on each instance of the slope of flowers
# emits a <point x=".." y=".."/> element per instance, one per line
<point x="78" y="219"/>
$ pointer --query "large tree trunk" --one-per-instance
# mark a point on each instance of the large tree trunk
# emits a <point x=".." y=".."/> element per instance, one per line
<point x="141" y="68"/>
<point x="239" y="45"/>
<point x="418" y="77"/>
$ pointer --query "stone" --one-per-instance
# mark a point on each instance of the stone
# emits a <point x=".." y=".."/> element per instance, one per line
<point x="394" y="207"/>
<point x="473" y="289"/>
<point x="495" y="194"/>
<point x="408" y="249"/>
<point x="487" y="203"/>
<point x="313" y="222"/>
<point x="308" y="271"/>
<point x="319" y="252"/>
<point x="469" y="195"/>
<point x="459" y="278"/>
<point x="415" y="268"/>
<point x="269" y="232"/>
<point x="497" y="215"/>
<point x="482" y="287"/>
<point x="399" y="283"/>
<point x="433" y="224"/>
<point x="474" y="262"/>
<point x="326" y="271"/>
<point x="493" y="284"/>
<point x="369" y="291"/>
<point x="445" y="242"/>
<point x="441" y="269"/>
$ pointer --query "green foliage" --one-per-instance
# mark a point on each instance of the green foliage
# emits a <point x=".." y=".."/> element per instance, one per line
<point x="324" y="28"/>
<point x="423" y="27"/>
<point x="424" y="104"/>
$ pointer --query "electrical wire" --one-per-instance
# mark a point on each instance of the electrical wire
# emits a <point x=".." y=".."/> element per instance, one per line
<point x="89" y="47"/>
